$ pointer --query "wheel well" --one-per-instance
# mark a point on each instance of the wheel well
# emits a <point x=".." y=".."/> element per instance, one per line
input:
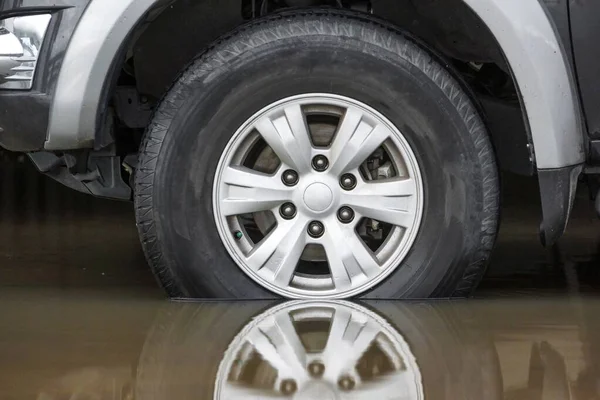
<point x="171" y="36"/>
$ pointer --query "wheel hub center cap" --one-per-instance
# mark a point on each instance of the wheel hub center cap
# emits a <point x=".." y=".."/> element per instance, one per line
<point x="318" y="197"/>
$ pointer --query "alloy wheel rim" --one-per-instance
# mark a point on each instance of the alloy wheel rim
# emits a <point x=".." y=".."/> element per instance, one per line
<point x="282" y="249"/>
<point x="319" y="349"/>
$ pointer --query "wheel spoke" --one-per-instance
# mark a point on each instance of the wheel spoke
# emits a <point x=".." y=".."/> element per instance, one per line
<point x="348" y="126"/>
<point x="389" y="201"/>
<point x="288" y="137"/>
<point x="363" y="340"/>
<point x="291" y="347"/>
<point x="278" y="343"/>
<point x="339" y="325"/>
<point x="355" y="141"/>
<point x="391" y="188"/>
<point x="281" y="265"/>
<point x="348" y="257"/>
<point x="250" y="191"/>
<point x="350" y="336"/>
<point x="280" y="250"/>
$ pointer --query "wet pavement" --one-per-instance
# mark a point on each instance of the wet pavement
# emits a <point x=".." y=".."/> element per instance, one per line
<point x="81" y="317"/>
<point x="109" y="348"/>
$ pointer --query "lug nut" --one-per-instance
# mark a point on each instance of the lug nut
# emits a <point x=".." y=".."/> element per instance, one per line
<point x="288" y="387"/>
<point x="348" y="182"/>
<point x="290" y="177"/>
<point x="316" y="369"/>
<point x="316" y="229"/>
<point x="287" y="210"/>
<point x="346" y="383"/>
<point x="320" y="163"/>
<point x="346" y="214"/>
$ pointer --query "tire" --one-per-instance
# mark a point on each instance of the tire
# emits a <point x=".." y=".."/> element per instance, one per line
<point x="337" y="53"/>
<point x="192" y="348"/>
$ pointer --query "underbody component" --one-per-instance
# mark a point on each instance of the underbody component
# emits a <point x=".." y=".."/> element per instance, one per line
<point x="97" y="173"/>
<point x="594" y="172"/>
<point x="557" y="187"/>
<point x="132" y="109"/>
<point x="595" y="152"/>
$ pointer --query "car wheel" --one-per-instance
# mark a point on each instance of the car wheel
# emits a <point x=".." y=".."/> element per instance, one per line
<point x="317" y="154"/>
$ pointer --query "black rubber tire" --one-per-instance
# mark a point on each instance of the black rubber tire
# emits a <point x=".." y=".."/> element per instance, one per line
<point x="329" y="51"/>
<point x="183" y="351"/>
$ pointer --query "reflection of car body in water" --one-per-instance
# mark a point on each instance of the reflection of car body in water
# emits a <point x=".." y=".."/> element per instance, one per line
<point x="314" y="350"/>
<point x="307" y="148"/>
<point x="525" y="350"/>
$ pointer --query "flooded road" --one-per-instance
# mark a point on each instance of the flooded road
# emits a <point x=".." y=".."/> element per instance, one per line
<point x="105" y="347"/>
<point x="81" y="318"/>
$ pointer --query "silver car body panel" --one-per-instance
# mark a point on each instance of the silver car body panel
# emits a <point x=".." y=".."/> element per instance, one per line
<point x="523" y="29"/>
<point x="96" y="41"/>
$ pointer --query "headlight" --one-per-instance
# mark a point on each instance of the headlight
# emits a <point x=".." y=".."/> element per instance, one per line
<point x="21" y="39"/>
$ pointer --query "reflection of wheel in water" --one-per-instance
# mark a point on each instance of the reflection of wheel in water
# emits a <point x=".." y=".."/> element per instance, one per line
<point x="319" y="350"/>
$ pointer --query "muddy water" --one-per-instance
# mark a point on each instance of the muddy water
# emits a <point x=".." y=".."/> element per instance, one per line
<point x="109" y="347"/>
